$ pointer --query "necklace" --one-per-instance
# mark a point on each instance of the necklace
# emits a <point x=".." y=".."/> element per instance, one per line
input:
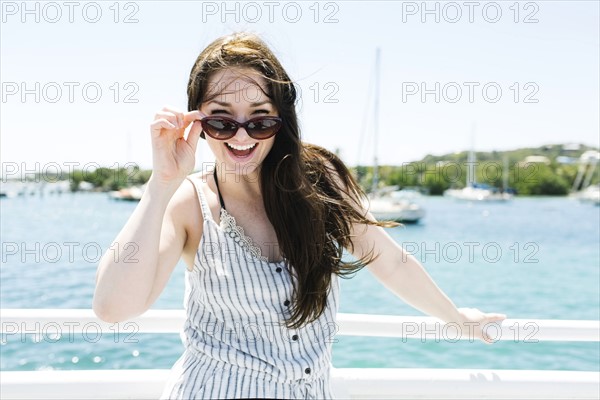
<point x="218" y="191"/>
<point x="236" y="232"/>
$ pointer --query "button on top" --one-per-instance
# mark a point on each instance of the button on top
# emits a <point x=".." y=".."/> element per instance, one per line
<point x="307" y="371"/>
<point x="286" y="303"/>
<point x="278" y="269"/>
<point x="295" y="337"/>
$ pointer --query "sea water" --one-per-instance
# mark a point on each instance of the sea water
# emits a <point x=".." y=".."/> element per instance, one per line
<point x="530" y="258"/>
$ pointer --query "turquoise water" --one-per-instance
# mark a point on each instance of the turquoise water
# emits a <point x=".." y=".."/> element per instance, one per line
<point x="530" y="258"/>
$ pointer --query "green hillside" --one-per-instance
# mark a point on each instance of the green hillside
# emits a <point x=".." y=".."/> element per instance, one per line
<point x="551" y="171"/>
<point x="545" y="170"/>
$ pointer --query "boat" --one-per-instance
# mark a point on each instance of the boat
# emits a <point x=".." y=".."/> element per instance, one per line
<point x="381" y="202"/>
<point x="392" y="204"/>
<point x="479" y="191"/>
<point x="133" y="193"/>
<point x="7" y="190"/>
<point x="588" y="162"/>
<point x="591" y="194"/>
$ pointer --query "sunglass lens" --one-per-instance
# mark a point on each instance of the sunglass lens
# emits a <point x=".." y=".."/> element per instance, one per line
<point x="263" y="128"/>
<point x="220" y="127"/>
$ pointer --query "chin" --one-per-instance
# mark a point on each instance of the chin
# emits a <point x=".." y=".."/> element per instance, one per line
<point x="239" y="169"/>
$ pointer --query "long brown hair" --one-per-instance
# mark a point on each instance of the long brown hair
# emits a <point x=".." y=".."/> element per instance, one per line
<point x="310" y="197"/>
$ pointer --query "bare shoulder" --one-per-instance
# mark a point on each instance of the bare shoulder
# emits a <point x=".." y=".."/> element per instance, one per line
<point x="185" y="212"/>
<point x="184" y="199"/>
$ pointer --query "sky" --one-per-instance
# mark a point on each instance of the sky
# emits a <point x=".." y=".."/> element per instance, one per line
<point x="81" y="81"/>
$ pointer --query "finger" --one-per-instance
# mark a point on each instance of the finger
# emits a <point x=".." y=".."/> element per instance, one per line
<point x="171" y="109"/>
<point x="194" y="134"/>
<point x="163" y="123"/>
<point x="482" y="335"/>
<point x="180" y="120"/>
<point x="159" y="124"/>
<point x="490" y="335"/>
<point x="169" y="116"/>
<point x="495" y="316"/>
<point x="164" y="113"/>
<point x="191" y="116"/>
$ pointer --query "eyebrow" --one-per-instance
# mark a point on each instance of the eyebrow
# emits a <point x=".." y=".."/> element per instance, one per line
<point x="225" y="104"/>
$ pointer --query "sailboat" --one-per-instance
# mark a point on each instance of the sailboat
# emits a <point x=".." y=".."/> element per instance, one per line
<point x="590" y="194"/>
<point x="476" y="191"/>
<point x="388" y="203"/>
<point x="582" y="189"/>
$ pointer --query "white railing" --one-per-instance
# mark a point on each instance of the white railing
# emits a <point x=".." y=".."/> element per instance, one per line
<point x="23" y="321"/>
<point x="355" y="383"/>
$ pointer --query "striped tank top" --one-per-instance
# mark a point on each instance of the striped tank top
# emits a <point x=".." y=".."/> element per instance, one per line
<point x="235" y="339"/>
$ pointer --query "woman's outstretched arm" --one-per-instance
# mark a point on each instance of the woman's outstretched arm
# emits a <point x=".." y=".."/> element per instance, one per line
<point x="137" y="266"/>
<point x="402" y="274"/>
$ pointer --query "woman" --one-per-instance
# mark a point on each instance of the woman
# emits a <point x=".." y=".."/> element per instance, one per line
<point x="262" y="236"/>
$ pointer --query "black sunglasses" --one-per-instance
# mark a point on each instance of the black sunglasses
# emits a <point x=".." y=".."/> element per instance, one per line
<point x="223" y="128"/>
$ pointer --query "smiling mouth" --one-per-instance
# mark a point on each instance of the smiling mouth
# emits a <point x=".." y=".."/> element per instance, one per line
<point x="241" y="151"/>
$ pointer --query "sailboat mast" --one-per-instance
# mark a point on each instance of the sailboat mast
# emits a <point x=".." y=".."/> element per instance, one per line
<point x="471" y="160"/>
<point x="376" y="123"/>
<point x="505" y="174"/>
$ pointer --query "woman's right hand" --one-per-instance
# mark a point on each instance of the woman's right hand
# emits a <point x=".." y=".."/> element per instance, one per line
<point x="173" y="156"/>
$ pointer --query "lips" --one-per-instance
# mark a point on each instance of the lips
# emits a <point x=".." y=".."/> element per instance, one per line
<point x="241" y="151"/>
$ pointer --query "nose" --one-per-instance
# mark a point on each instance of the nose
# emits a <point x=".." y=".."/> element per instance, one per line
<point x="241" y="134"/>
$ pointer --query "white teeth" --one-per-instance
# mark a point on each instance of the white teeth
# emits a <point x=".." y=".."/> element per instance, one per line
<point x="233" y="146"/>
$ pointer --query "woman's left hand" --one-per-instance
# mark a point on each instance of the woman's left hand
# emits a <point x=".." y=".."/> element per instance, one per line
<point x="473" y="322"/>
